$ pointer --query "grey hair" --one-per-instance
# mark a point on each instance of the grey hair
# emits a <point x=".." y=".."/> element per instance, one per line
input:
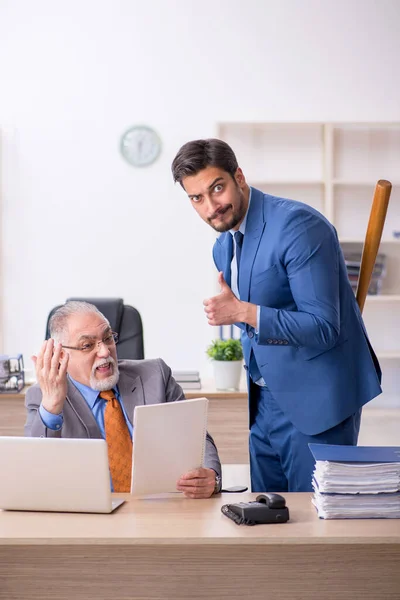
<point x="58" y="324"/>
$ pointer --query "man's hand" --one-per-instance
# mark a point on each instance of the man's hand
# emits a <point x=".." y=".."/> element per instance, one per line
<point x="51" y="373"/>
<point x="226" y="309"/>
<point x="199" y="483"/>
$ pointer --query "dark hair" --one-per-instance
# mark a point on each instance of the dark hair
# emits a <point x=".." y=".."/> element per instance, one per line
<point x="199" y="154"/>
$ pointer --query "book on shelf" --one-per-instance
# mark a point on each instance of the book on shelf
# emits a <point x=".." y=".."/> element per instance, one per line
<point x="353" y="263"/>
<point x="185" y="372"/>
<point x="374" y="288"/>
<point x="190" y="385"/>
<point x="186" y="375"/>
<point x="356" y="482"/>
<point x="189" y="380"/>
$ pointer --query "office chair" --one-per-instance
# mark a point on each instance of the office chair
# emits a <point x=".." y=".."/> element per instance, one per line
<point x="124" y="320"/>
<point x="372" y="240"/>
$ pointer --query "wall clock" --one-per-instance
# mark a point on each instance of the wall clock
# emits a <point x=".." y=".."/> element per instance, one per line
<point x="140" y="145"/>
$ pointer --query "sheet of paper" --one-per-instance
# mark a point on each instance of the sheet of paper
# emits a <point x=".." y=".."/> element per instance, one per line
<point x="168" y="441"/>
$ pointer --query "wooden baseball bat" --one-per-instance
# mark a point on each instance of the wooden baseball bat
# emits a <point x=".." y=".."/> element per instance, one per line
<point x="372" y="238"/>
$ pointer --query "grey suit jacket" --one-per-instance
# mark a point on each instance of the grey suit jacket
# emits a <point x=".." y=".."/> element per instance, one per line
<point x="140" y="382"/>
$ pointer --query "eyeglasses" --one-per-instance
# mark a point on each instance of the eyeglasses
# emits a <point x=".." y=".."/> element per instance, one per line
<point x="109" y="340"/>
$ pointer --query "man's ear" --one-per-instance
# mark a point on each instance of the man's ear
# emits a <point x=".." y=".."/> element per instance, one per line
<point x="240" y="178"/>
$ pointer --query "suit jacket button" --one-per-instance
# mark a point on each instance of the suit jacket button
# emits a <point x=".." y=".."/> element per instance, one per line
<point x="269" y="341"/>
<point x="285" y="342"/>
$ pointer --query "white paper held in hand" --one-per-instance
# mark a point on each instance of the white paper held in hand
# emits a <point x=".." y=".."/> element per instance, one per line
<point x="168" y="441"/>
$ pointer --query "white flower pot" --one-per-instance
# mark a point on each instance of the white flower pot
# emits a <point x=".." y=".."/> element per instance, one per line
<point x="227" y="374"/>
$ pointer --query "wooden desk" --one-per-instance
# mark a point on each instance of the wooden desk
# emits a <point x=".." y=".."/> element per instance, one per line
<point x="172" y="548"/>
<point x="208" y="390"/>
<point x="228" y="421"/>
<point x="12" y="414"/>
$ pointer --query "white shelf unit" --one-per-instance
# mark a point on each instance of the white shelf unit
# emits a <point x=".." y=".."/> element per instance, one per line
<point x="334" y="168"/>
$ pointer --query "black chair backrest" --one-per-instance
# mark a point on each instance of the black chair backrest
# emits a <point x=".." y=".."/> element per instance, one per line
<point x="124" y="319"/>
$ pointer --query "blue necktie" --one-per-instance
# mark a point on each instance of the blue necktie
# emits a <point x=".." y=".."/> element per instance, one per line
<point x="229" y="259"/>
<point x="239" y="241"/>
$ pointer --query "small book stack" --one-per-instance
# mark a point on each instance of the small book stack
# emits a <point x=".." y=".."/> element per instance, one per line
<point x="189" y="380"/>
<point x="353" y="262"/>
<point x="356" y="482"/>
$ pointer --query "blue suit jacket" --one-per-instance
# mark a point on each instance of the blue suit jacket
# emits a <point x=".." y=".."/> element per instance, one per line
<point x="312" y="349"/>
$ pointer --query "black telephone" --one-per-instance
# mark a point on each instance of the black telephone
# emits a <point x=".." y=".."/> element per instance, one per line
<point x="267" y="508"/>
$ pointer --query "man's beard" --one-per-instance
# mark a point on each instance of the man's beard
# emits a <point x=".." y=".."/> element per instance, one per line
<point x="235" y="218"/>
<point x="101" y="385"/>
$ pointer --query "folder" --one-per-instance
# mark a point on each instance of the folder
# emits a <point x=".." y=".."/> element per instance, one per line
<point x="168" y="441"/>
<point x="370" y="454"/>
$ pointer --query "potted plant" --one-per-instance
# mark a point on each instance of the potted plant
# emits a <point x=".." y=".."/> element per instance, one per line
<point x="227" y="357"/>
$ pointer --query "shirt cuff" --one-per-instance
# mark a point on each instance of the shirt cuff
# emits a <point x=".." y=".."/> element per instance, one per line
<point x="51" y="421"/>
<point x="258" y="319"/>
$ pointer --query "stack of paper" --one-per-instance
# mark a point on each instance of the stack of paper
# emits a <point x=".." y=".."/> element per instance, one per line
<point x="356" y="482"/>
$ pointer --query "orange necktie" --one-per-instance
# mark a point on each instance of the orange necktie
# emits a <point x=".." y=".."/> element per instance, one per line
<point x="119" y="443"/>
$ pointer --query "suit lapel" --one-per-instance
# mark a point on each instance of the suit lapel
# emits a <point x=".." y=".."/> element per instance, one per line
<point x="81" y="409"/>
<point x="254" y="229"/>
<point x="132" y="393"/>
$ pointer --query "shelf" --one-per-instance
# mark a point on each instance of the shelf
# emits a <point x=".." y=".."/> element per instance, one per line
<point x="334" y="167"/>
<point x="365" y="125"/>
<point x="351" y="212"/>
<point x="383" y="298"/>
<point x="355" y="241"/>
<point x="389" y="355"/>
<point x="361" y="156"/>
<point x="261" y="184"/>
<point x="362" y="183"/>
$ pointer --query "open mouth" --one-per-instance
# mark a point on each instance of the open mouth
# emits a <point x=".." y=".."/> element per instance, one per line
<point x="104" y="368"/>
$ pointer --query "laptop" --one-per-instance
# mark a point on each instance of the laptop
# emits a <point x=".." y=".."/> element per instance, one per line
<point x="55" y="474"/>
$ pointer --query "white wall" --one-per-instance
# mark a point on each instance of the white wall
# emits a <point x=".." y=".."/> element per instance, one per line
<point x="77" y="219"/>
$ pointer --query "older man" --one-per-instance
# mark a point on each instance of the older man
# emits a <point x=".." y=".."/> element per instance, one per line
<point x="84" y="391"/>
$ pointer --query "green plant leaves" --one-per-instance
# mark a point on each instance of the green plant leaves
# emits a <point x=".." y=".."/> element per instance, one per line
<point x="225" y="350"/>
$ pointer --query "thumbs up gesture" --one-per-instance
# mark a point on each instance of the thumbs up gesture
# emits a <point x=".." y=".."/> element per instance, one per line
<point x="226" y="308"/>
<point x="224" y="286"/>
